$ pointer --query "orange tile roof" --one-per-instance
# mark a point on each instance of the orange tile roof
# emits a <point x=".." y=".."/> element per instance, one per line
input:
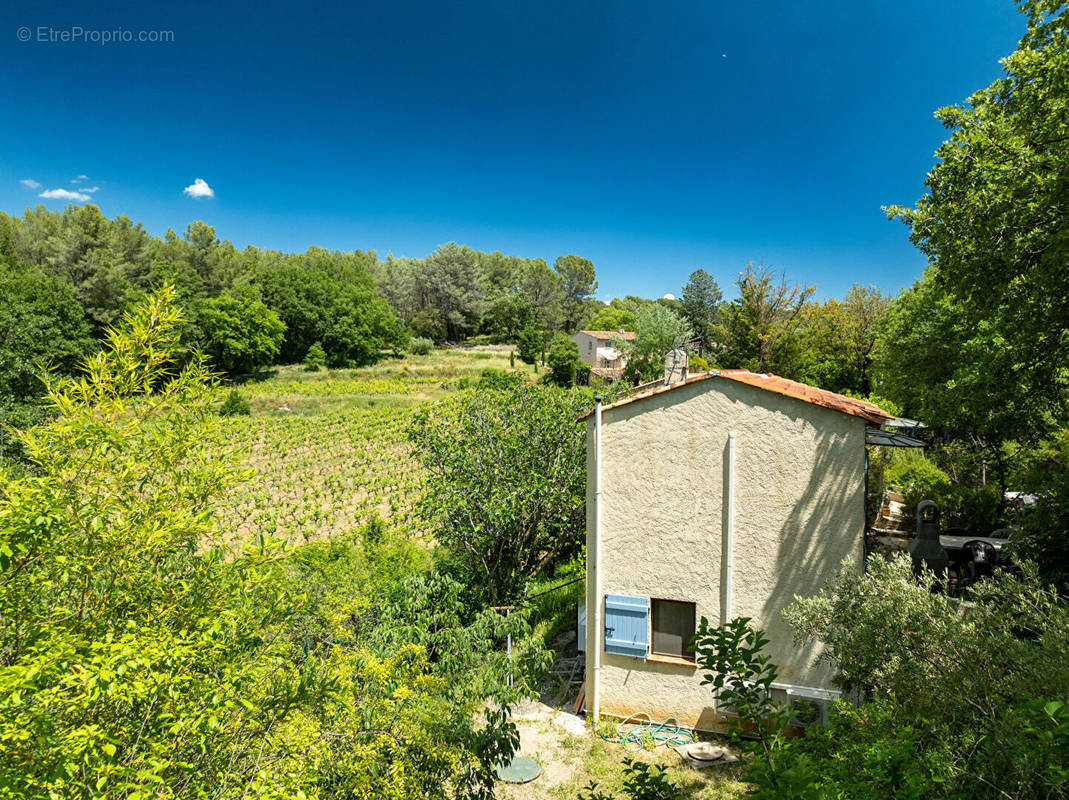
<point x="627" y="336"/>
<point x="772" y="383"/>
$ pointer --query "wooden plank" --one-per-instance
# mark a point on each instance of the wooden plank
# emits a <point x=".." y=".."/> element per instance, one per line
<point x="577" y="706"/>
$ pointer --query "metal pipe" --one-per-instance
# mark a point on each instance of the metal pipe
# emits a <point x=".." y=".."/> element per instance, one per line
<point x="727" y="557"/>
<point x="507" y="615"/>
<point x="865" y="518"/>
<point x="596" y="624"/>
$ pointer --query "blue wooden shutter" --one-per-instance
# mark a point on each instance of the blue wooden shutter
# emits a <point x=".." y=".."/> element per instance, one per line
<point x="625" y="625"/>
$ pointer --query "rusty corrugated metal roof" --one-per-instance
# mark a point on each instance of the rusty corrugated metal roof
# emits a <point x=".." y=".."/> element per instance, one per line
<point x="867" y="411"/>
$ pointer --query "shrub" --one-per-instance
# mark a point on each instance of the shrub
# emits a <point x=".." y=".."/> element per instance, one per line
<point x="917" y="478"/>
<point x="1045" y="526"/>
<point x="120" y="616"/>
<point x="315" y="358"/>
<point x="970" y="687"/>
<point x="563" y="360"/>
<point x="235" y="405"/>
<point x="962" y="503"/>
<point x="866" y="753"/>
<point x="530" y="345"/>
<point x="642" y="781"/>
<point x="698" y="364"/>
<point x="499" y="379"/>
<point x="420" y="346"/>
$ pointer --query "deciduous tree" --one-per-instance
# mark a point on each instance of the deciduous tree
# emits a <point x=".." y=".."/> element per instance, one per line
<point x="995" y="222"/>
<point x="657" y="331"/>
<point x="506" y="480"/>
<point x="763" y="323"/>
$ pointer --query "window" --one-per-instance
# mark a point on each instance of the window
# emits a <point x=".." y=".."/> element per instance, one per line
<point x="673" y="628"/>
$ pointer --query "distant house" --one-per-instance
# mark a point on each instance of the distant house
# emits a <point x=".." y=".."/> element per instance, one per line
<point x="722" y="494"/>
<point x="596" y="350"/>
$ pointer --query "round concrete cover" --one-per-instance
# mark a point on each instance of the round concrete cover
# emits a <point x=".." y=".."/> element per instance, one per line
<point x="520" y="770"/>
<point x="705" y="754"/>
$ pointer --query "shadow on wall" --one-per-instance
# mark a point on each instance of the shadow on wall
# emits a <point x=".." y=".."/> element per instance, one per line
<point x="825" y="526"/>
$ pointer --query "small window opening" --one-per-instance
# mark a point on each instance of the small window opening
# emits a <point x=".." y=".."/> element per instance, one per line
<point x="673" y="628"/>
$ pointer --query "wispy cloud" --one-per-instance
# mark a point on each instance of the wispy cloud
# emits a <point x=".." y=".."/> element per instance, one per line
<point x="64" y="194"/>
<point x="30" y="183"/>
<point x="199" y="188"/>
<point x="80" y="178"/>
<point x="88" y="189"/>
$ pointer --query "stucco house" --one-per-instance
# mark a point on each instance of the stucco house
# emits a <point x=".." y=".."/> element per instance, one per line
<point x="719" y="495"/>
<point x="596" y="350"/>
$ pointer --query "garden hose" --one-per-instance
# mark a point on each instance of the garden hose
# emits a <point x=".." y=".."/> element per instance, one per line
<point x="667" y="732"/>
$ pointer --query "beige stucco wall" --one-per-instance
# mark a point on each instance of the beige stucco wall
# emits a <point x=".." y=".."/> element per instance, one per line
<point x="799" y="511"/>
<point x="588" y="348"/>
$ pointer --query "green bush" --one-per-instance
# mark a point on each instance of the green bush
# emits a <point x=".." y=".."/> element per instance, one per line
<point x="974" y="691"/>
<point x="642" y="781"/>
<point x="917" y="478"/>
<point x="964" y="503"/>
<point x="499" y="379"/>
<point x="235" y="405"/>
<point x="529" y="345"/>
<point x="698" y="364"/>
<point x="420" y="345"/>
<point x="864" y="753"/>
<point x="1044" y="527"/>
<point x="315" y="358"/>
<point x="961" y="701"/>
<point x="563" y="361"/>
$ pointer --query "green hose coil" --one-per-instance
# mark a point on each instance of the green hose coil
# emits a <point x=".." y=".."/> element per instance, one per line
<point x="667" y="732"/>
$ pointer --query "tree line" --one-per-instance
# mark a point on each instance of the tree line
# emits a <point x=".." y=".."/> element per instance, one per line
<point x="69" y="276"/>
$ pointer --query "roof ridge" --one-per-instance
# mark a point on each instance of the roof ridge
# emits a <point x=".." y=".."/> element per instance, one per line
<point x="797" y="390"/>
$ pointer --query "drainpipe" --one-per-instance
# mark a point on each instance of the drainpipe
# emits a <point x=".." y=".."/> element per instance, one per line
<point x="727" y="557"/>
<point x="594" y="612"/>
<point x="865" y="519"/>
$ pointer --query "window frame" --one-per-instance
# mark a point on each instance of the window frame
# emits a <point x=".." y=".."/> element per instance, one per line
<point x="689" y="654"/>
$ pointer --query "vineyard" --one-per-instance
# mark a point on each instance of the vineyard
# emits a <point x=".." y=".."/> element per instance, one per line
<point x="324" y="452"/>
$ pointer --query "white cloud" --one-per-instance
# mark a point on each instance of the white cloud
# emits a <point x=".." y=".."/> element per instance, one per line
<point x="81" y="178"/>
<point x="669" y="297"/>
<point x="199" y="188"/>
<point x="30" y="183"/>
<point x="63" y="194"/>
<point x="89" y="189"/>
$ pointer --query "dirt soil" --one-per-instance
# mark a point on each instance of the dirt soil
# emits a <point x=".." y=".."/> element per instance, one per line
<point x="572" y="755"/>
<point x="549" y="737"/>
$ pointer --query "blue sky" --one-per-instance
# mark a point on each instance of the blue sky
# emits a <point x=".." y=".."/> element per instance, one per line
<point x="653" y="138"/>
